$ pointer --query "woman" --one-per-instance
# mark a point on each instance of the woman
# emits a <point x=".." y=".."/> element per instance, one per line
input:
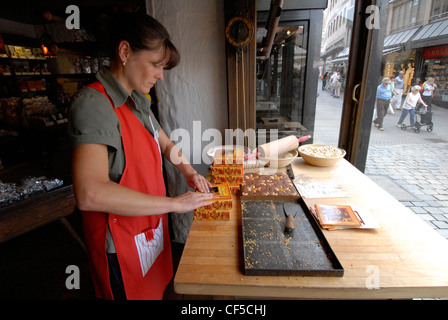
<point x="117" y="166"/>
<point x="428" y="92"/>
<point x="409" y="106"/>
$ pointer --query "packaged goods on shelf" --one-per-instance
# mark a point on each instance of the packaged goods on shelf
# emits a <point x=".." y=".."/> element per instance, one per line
<point x="5" y="70"/>
<point x="12" y="192"/>
<point x="39" y="105"/>
<point x="12" y="109"/>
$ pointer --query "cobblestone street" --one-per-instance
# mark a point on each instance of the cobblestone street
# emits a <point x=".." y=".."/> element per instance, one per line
<point x="417" y="176"/>
<point x="410" y="166"/>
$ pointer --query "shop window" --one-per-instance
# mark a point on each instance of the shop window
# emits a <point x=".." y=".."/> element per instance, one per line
<point x="281" y="84"/>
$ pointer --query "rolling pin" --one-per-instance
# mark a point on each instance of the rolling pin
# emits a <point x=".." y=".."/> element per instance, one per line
<point x="274" y="148"/>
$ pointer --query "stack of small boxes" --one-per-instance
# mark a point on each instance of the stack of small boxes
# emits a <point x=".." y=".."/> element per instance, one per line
<point x="220" y="207"/>
<point x="228" y="174"/>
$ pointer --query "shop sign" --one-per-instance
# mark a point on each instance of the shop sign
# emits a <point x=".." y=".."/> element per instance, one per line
<point x="436" y="52"/>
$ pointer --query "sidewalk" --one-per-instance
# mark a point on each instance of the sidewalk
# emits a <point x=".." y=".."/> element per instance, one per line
<point x="410" y="166"/>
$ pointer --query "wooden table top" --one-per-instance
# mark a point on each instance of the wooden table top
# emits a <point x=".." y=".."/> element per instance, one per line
<point x="405" y="258"/>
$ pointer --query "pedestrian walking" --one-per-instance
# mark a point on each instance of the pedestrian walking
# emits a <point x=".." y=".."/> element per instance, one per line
<point x="428" y="92"/>
<point x="383" y="96"/>
<point x="398" y="91"/>
<point x="409" y="106"/>
<point x="336" y="84"/>
<point x="324" y="81"/>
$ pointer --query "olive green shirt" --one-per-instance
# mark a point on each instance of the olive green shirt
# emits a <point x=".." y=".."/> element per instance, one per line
<point x="92" y="119"/>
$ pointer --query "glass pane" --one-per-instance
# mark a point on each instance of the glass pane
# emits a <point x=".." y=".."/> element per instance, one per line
<point x="281" y="84"/>
<point x="335" y="49"/>
<point x="415" y="58"/>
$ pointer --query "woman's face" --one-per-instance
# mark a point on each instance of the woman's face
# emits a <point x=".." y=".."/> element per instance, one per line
<point x="144" y="68"/>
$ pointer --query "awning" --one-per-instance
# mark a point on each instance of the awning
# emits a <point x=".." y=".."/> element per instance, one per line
<point x="431" y="34"/>
<point x="343" y="56"/>
<point x="399" y="39"/>
<point x="432" y="30"/>
<point x="391" y="50"/>
<point x="343" y="59"/>
<point x="344" y="52"/>
<point x="332" y="50"/>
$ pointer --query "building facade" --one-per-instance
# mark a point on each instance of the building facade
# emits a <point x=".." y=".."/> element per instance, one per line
<point x="416" y="41"/>
<point x="337" y="32"/>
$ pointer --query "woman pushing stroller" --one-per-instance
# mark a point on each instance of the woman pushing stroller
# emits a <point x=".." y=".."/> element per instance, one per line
<point x="412" y="99"/>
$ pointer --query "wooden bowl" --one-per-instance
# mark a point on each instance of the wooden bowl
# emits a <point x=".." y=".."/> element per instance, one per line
<point x="321" y="155"/>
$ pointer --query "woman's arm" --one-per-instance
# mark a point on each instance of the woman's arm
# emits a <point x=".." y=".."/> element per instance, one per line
<point x="422" y="102"/>
<point x="171" y="152"/>
<point x="428" y="87"/>
<point x="95" y="192"/>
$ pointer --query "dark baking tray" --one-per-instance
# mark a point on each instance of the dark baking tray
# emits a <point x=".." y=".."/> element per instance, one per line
<point x="268" y="251"/>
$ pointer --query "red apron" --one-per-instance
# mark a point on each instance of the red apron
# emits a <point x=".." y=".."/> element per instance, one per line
<point x="142" y="243"/>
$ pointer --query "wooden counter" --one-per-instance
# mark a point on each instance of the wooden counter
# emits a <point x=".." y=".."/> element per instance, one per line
<point x="403" y="259"/>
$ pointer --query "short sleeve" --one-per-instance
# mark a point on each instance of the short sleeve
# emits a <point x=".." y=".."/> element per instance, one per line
<point x="93" y="120"/>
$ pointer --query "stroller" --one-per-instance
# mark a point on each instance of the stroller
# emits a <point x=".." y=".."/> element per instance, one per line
<point x="425" y="119"/>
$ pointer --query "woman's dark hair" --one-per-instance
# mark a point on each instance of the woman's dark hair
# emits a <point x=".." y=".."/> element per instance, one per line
<point x="143" y="32"/>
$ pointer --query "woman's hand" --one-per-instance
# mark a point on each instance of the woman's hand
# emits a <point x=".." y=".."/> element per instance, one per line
<point x="192" y="200"/>
<point x="198" y="182"/>
<point x="175" y="156"/>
